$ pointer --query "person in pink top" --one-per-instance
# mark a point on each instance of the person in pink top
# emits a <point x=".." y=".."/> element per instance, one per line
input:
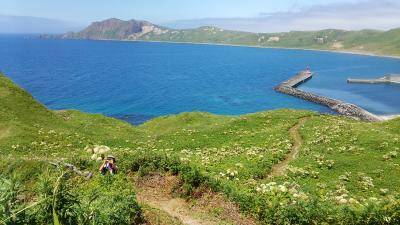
<point x="109" y="164"/>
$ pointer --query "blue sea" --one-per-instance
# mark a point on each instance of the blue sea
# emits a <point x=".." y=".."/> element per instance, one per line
<point x="137" y="81"/>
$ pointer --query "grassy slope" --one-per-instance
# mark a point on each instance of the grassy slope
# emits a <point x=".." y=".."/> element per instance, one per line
<point x="248" y="144"/>
<point x="359" y="41"/>
<point x="355" y="148"/>
<point x="22" y="117"/>
<point x="31" y="135"/>
<point x="218" y="143"/>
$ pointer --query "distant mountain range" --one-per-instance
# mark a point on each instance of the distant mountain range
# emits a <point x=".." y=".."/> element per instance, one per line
<point x="364" y="41"/>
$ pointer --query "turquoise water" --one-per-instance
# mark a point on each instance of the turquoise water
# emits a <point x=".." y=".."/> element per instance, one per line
<point x="137" y="81"/>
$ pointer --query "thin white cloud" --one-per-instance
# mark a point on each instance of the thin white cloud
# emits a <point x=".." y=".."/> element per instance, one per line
<point x="372" y="14"/>
<point x="28" y="24"/>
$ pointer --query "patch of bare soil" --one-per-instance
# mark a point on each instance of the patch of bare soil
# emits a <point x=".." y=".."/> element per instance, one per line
<point x="158" y="191"/>
<point x="337" y="45"/>
<point x="158" y="217"/>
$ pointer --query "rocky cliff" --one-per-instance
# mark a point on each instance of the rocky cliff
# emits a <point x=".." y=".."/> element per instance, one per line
<point x="114" y="29"/>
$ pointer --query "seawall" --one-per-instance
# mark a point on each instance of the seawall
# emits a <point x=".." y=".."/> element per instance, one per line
<point x="290" y="87"/>
<point x="389" y="79"/>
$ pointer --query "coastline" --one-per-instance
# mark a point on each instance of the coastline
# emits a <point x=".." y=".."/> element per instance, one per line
<point x="382" y="117"/>
<point x="388" y="117"/>
<point x="290" y="87"/>
<point x="271" y="47"/>
<point x="361" y="53"/>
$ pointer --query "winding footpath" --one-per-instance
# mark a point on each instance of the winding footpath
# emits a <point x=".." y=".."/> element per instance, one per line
<point x="156" y="192"/>
<point x="279" y="169"/>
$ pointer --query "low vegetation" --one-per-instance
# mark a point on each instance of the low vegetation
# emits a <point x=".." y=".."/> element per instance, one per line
<point x="363" y="41"/>
<point x="346" y="171"/>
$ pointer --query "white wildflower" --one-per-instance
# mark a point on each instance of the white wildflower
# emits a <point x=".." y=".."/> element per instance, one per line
<point x="94" y="157"/>
<point x="384" y="191"/>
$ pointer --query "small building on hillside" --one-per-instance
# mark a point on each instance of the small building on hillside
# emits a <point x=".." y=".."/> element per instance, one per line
<point x="320" y="40"/>
<point x="274" y="39"/>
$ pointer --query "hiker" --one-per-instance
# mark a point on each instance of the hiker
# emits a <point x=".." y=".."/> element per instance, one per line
<point x="109" y="164"/>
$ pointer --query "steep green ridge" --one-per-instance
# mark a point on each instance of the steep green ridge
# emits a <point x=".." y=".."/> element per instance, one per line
<point x="364" y="41"/>
<point x="346" y="171"/>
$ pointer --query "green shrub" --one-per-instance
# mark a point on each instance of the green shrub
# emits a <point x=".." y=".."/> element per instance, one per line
<point x="110" y="200"/>
<point x="56" y="193"/>
<point x="11" y="201"/>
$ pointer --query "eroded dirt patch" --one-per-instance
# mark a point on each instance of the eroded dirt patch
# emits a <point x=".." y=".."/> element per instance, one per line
<point x="155" y="216"/>
<point x="209" y="208"/>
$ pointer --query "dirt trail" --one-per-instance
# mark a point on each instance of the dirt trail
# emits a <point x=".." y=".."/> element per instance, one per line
<point x="280" y="168"/>
<point x="157" y="191"/>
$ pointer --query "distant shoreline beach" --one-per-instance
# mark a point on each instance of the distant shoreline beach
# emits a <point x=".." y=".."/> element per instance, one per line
<point x="270" y="47"/>
<point x="388" y="117"/>
<point x="255" y="46"/>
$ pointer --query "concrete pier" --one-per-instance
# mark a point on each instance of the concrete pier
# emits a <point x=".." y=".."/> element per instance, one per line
<point x="344" y="108"/>
<point x="388" y="79"/>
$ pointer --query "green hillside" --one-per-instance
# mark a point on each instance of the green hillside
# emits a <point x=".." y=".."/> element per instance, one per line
<point x="364" y="41"/>
<point x="346" y="171"/>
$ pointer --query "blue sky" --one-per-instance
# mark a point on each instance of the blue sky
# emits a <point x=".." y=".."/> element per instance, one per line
<point x="160" y="11"/>
<point x="246" y="15"/>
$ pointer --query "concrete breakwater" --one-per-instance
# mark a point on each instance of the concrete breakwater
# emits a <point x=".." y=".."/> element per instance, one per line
<point x="388" y="79"/>
<point x="344" y="108"/>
